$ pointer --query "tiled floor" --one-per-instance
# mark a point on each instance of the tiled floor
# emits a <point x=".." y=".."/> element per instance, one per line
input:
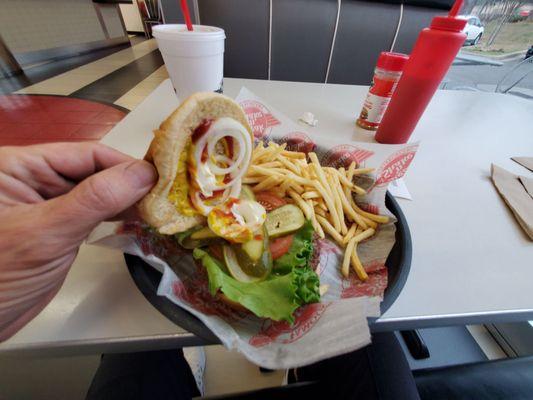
<point x="27" y="119"/>
<point x="135" y="95"/>
<point x="30" y="119"/>
<point x="75" y="79"/>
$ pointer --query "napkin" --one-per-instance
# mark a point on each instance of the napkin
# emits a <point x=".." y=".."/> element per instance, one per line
<point x="516" y="196"/>
<point x="524" y="161"/>
<point x="528" y="184"/>
<point x="398" y="188"/>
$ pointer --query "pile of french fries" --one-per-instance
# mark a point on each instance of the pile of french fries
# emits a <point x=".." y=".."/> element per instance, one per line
<point x="324" y="194"/>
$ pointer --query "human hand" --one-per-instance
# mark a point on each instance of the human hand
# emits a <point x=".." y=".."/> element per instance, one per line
<point x="51" y="197"/>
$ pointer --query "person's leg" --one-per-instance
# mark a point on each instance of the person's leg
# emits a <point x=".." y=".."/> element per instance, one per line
<point x="150" y="375"/>
<point x="379" y="371"/>
<point x="392" y="375"/>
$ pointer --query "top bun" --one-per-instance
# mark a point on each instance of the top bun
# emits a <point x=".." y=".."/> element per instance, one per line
<point x="165" y="149"/>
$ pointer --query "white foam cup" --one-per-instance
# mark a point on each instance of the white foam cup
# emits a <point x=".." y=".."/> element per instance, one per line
<point x="194" y="59"/>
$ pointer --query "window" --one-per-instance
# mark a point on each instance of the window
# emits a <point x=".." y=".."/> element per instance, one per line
<point x="493" y="57"/>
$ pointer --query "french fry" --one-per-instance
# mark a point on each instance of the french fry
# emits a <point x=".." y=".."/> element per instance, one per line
<point x="292" y="154"/>
<point x="324" y="194"/>
<point x="290" y="166"/>
<point x="358" y="190"/>
<point x="330" y="229"/>
<point x="369" y="222"/>
<point x="350" y="234"/>
<point x="299" y="179"/>
<point x="268" y="183"/>
<point x="364" y="235"/>
<point x="357" y="265"/>
<point x="252" y="179"/>
<point x="322" y="289"/>
<point x="345" y="269"/>
<point x="317" y="168"/>
<point x="305" y="172"/>
<point x="330" y="204"/>
<point x="380" y="219"/>
<point x="302" y="162"/>
<point x="360" y="171"/>
<point x="348" y="208"/>
<point x="321" y="204"/>
<point x="277" y="149"/>
<point x="350" y="172"/>
<point x="311" y="195"/>
<point x="297" y="188"/>
<point x="258" y="152"/>
<point x="314" y="222"/>
<point x="271" y="164"/>
<point x="358" y="218"/>
<point x="342" y="178"/>
<point x="285" y="184"/>
<point x="321" y="212"/>
<point x="258" y="170"/>
<point x="301" y="203"/>
<point x="335" y="187"/>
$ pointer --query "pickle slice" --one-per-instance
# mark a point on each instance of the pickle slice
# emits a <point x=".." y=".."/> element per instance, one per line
<point x="284" y="220"/>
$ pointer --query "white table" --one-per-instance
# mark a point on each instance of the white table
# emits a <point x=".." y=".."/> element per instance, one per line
<point x="471" y="261"/>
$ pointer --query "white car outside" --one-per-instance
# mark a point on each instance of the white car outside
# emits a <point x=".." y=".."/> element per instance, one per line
<point x="473" y="29"/>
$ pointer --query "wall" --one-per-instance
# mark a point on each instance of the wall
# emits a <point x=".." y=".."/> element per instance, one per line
<point x="172" y="11"/>
<point x="31" y="26"/>
<point x="132" y="18"/>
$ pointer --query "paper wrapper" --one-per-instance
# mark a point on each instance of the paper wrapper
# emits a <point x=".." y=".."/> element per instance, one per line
<point x="337" y="324"/>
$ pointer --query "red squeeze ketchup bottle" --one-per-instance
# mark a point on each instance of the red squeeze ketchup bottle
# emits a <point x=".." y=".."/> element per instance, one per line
<point x="432" y="55"/>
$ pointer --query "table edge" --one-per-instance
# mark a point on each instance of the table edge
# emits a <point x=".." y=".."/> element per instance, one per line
<point x="437" y="321"/>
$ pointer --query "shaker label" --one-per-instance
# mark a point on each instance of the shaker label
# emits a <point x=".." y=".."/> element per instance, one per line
<point x="375" y="107"/>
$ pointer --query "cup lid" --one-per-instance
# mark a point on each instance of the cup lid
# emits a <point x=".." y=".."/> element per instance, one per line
<point x="180" y="32"/>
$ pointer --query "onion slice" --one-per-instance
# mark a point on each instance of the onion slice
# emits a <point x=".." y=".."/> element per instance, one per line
<point x="208" y="175"/>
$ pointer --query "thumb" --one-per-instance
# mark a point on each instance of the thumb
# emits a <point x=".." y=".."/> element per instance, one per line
<point x="104" y="195"/>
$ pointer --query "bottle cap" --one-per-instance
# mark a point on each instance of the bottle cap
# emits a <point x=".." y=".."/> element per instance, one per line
<point x="448" y="24"/>
<point x="392" y="61"/>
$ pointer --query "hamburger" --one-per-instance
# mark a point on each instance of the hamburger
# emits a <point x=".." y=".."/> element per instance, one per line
<point x="255" y="247"/>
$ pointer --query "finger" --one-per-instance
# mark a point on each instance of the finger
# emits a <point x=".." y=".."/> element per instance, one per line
<point x="13" y="191"/>
<point x="101" y="196"/>
<point x="53" y="169"/>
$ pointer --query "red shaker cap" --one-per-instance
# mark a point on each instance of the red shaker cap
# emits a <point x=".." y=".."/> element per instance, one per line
<point x="392" y="61"/>
<point x="448" y="24"/>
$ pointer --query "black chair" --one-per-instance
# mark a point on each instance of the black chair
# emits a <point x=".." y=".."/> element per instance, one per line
<point x="508" y="379"/>
<point x="333" y="41"/>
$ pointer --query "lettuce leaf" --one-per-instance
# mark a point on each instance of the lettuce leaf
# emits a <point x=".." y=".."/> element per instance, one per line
<point x="306" y="285"/>
<point x="276" y="298"/>
<point x="300" y="252"/>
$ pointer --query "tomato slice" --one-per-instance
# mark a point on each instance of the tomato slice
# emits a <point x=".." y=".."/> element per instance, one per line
<point x="280" y="246"/>
<point x="269" y="200"/>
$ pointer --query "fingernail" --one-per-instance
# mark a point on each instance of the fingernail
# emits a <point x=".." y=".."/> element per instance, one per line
<point x="142" y="173"/>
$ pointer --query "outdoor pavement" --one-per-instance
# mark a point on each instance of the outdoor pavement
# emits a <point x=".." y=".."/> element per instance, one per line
<point x="480" y="73"/>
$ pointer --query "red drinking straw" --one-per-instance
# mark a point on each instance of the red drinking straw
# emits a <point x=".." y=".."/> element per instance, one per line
<point x="455" y="8"/>
<point x="186" y="14"/>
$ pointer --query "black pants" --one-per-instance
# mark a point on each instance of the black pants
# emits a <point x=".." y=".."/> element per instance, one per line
<point x="379" y="371"/>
